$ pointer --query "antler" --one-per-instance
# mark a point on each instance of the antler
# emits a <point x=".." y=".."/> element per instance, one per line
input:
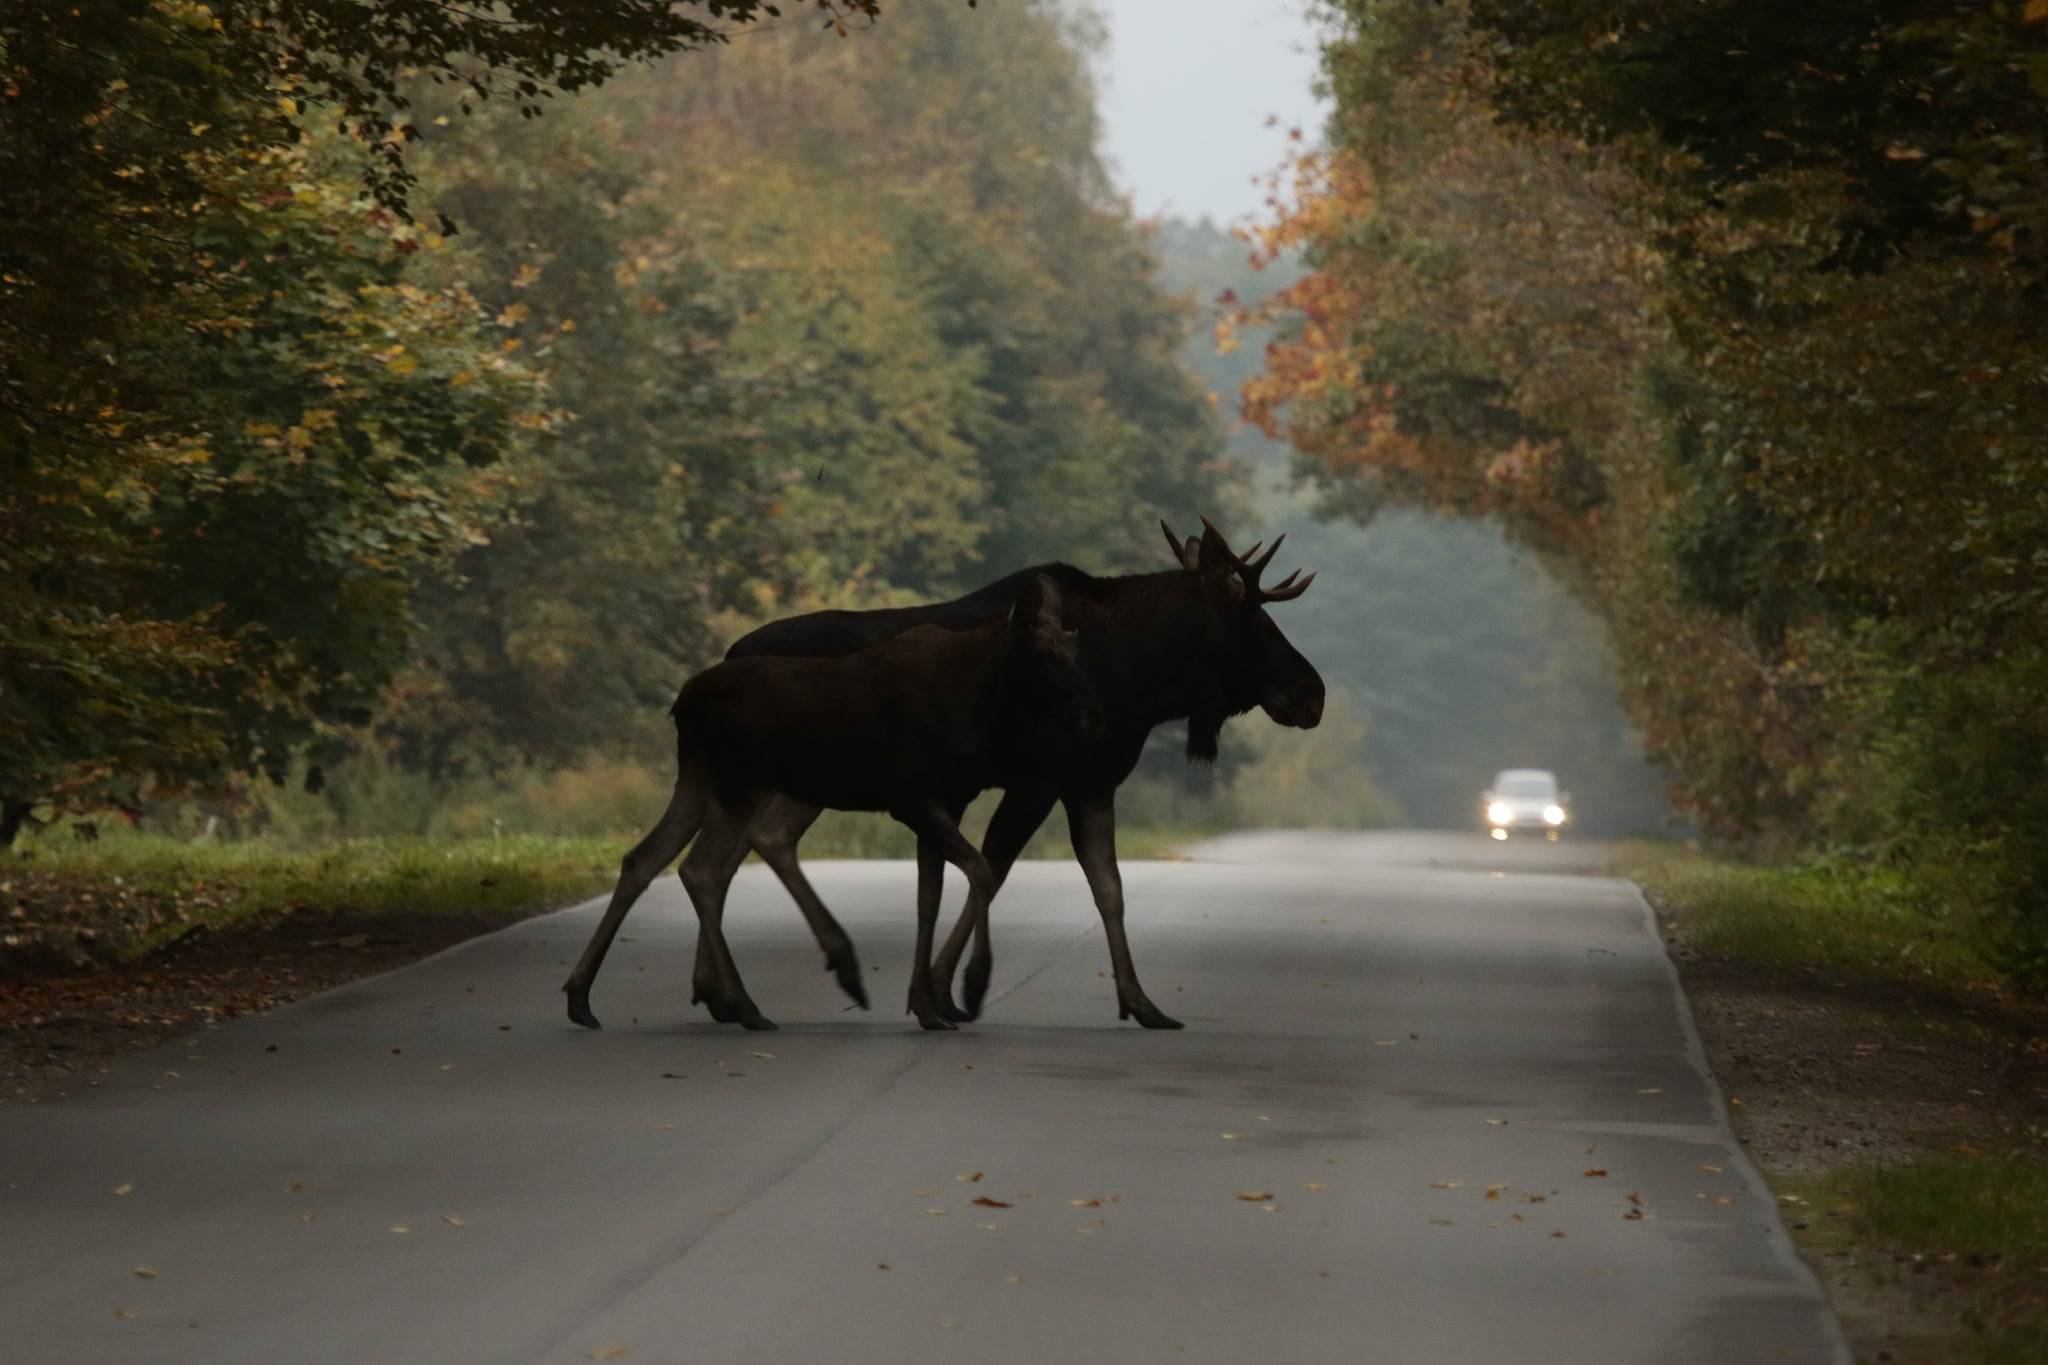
<point x="1286" y="590"/>
<point x="1249" y="569"/>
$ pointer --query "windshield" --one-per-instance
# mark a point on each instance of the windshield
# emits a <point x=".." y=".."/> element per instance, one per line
<point x="1526" y="784"/>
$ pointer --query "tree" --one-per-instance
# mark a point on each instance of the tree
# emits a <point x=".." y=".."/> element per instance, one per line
<point x="231" y="427"/>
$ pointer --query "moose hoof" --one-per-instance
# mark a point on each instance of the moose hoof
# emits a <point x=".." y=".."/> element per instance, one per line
<point x="757" y="1022"/>
<point x="932" y="1015"/>
<point x="579" y="1007"/>
<point x="845" y="968"/>
<point x="974" y="988"/>
<point x="1149" y="1015"/>
<point x="947" y="1010"/>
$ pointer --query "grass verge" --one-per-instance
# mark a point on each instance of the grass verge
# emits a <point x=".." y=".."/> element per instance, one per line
<point x="1890" y="1084"/>
<point x="74" y="906"/>
<point x="1819" y="917"/>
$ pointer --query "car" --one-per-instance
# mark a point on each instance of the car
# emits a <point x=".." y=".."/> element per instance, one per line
<point x="1526" y="799"/>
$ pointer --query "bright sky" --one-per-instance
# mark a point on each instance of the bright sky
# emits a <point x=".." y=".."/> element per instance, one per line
<point x="1188" y="89"/>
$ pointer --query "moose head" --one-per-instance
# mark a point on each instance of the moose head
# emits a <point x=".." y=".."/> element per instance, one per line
<point x="1048" y="657"/>
<point x="1255" y="665"/>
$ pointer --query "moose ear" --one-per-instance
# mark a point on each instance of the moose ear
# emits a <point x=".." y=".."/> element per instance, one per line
<point x="1188" y="553"/>
<point x="1037" y="606"/>
<point x="1049" y="601"/>
<point x="1215" y="562"/>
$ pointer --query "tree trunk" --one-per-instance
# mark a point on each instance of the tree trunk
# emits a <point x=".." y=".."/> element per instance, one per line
<point x="13" y="814"/>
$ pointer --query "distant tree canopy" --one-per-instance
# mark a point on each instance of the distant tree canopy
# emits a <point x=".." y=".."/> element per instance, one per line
<point x="287" y="465"/>
<point x="1733" y="313"/>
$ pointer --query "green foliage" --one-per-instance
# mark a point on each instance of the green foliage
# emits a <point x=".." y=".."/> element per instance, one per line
<point x="234" y="428"/>
<point x="877" y="348"/>
<point x="1782" y="426"/>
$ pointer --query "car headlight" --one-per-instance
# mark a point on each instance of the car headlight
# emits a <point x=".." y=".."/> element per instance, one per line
<point x="1553" y="815"/>
<point x="1500" y="812"/>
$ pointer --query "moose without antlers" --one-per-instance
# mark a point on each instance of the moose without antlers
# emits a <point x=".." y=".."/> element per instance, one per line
<point x="1191" y="643"/>
<point x="916" y="726"/>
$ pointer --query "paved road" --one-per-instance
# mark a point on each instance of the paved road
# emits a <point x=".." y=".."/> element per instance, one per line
<point x="1374" y="1142"/>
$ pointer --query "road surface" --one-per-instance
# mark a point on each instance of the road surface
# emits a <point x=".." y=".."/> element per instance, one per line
<point x="1437" y="1100"/>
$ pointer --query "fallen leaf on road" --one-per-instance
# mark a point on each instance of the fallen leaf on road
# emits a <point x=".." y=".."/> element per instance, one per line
<point x="143" y="1272"/>
<point x="400" y="1228"/>
<point x="987" y="1203"/>
<point x="123" y="1314"/>
<point x="988" y="1227"/>
<point x="307" y="1217"/>
<point x="674" y="1076"/>
<point x="922" y="1194"/>
<point x="1633" y="1214"/>
<point x="971" y="1177"/>
<point x="1385" y="1042"/>
<point x="1724" y="1200"/>
<point x="1596" y="1171"/>
<point x="1493" y="1191"/>
<point x="935" y="1211"/>
<point x="296" y="1187"/>
<point x="1444" y="1222"/>
<point x="123" y="1188"/>
<point x="1710" y="1170"/>
<point x="1313" y="1185"/>
<point x="1270" y="1208"/>
<point x="1086" y="1203"/>
<point x="1232" y="1137"/>
<point x="1254" y="1196"/>
<point x="608" y="1353"/>
<point x="1497" y="1123"/>
<point x="1557" y="1234"/>
<point x="764" y="1056"/>
<point x="1445" y="1184"/>
<point x="453" y="1221"/>
<point x="1653" y="1090"/>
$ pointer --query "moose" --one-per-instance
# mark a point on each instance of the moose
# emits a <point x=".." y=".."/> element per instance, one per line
<point x="917" y="726"/>
<point x="1191" y="643"/>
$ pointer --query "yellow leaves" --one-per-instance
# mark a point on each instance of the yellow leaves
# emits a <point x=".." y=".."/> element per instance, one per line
<point x="525" y="276"/>
<point x="513" y="315"/>
<point x="2036" y="12"/>
<point x="461" y="377"/>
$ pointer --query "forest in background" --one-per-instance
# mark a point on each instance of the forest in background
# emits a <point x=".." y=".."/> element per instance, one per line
<point x="1762" y="381"/>
<point x="1457" y="650"/>
<point x="385" y="475"/>
<point x="348" y="457"/>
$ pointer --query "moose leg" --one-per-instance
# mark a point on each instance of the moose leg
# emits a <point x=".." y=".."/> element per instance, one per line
<point x="777" y="830"/>
<point x="641" y="866"/>
<point x="1091" y="822"/>
<point x="1018" y="816"/>
<point x="936" y="826"/>
<point x="720" y="849"/>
